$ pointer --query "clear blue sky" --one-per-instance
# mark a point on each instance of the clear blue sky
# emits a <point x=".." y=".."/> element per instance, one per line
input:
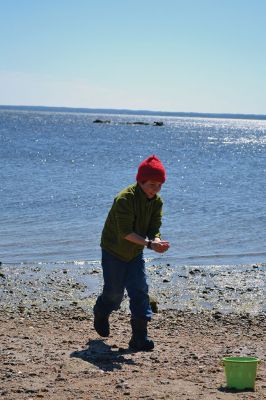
<point x="169" y="55"/>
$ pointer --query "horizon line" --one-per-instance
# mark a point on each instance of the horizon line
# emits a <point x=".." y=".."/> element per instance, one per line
<point x="139" y="111"/>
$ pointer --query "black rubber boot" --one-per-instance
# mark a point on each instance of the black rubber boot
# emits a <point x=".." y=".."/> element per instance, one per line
<point x="139" y="340"/>
<point x="101" y="323"/>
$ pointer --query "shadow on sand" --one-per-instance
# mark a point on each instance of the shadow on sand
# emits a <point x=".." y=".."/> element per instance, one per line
<point x="225" y="389"/>
<point x="103" y="356"/>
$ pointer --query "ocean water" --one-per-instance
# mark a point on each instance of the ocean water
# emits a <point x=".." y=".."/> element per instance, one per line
<point x="59" y="173"/>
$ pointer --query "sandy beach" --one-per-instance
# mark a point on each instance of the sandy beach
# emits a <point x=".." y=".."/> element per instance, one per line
<point x="50" y="350"/>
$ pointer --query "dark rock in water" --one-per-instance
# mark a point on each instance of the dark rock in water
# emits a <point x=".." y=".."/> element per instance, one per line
<point x="107" y="121"/>
<point x="2" y="275"/>
<point x="101" y="121"/>
<point x="138" y="123"/>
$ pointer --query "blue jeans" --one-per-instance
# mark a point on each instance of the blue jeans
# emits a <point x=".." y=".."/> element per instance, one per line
<point x="119" y="275"/>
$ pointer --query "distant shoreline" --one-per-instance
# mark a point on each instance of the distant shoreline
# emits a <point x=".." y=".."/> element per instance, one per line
<point x="133" y="112"/>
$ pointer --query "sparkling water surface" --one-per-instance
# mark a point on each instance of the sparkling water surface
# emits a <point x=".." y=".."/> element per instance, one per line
<point x="59" y="173"/>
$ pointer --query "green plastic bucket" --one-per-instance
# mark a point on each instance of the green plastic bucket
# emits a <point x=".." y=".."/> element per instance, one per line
<point x="240" y="372"/>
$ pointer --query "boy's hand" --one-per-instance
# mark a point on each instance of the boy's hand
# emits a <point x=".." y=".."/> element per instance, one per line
<point x="160" y="246"/>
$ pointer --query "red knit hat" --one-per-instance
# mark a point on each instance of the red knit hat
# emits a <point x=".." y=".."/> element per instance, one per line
<point x="151" y="169"/>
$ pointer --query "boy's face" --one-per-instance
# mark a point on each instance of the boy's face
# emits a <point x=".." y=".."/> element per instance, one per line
<point x="151" y="188"/>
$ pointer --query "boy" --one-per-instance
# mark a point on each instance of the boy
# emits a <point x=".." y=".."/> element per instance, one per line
<point x="133" y="222"/>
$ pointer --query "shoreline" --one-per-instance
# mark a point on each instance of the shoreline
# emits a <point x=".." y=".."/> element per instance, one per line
<point x="218" y="288"/>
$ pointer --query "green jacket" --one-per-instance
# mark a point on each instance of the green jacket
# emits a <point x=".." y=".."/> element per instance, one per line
<point x="131" y="212"/>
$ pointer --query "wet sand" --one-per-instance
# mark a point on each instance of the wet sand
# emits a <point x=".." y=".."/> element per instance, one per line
<point x="49" y="349"/>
